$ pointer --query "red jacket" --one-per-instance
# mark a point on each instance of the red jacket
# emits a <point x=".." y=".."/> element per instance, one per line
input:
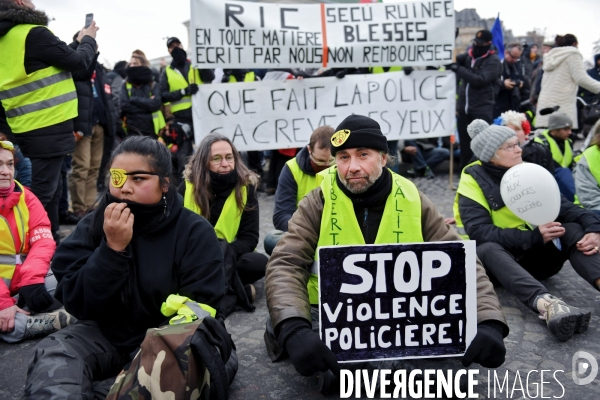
<point x="40" y="245"/>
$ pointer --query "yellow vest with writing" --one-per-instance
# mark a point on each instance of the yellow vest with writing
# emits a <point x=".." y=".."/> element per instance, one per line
<point x="400" y="222"/>
<point x="10" y="256"/>
<point x="32" y="101"/>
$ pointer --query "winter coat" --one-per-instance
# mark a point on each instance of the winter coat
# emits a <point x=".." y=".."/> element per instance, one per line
<point x="511" y="99"/>
<point x="594" y="73"/>
<point x="178" y="255"/>
<point x="85" y="97"/>
<point x="289" y="266"/>
<point x="41" y="245"/>
<point x="563" y="74"/>
<point x="138" y="108"/>
<point x="42" y="49"/>
<point x="476" y="90"/>
<point x="287" y="190"/>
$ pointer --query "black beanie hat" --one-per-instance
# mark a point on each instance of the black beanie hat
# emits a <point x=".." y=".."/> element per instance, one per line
<point x="358" y="131"/>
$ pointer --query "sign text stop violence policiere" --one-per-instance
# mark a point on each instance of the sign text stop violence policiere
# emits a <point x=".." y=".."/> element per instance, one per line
<point x="398" y="301"/>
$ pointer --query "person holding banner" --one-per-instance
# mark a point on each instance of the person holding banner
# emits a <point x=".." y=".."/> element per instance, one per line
<point x="513" y="252"/>
<point x="357" y="188"/>
<point x="219" y="187"/>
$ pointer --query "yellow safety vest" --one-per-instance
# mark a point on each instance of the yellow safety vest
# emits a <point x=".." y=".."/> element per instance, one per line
<point x="305" y="182"/>
<point x="248" y="78"/>
<point x="177" y="82"/>
<point x="592" y="155"/>
<point x="9" y="256"/>
<point x="502" y="218"/>
<point x="186" y="309"/>
<point x="158" y="120"/>
<point x="565" y="160"/>
<point x="228" y="223"/>
<point x="400" y="222"/>
<point x="32" y="101"/>
<point x="380" y="70"/>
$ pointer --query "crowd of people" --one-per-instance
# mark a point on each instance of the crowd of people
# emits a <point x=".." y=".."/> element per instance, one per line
<point x="157" y="215"/>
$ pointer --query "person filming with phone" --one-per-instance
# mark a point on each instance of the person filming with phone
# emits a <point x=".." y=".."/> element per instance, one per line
<point x="36" y="65"/>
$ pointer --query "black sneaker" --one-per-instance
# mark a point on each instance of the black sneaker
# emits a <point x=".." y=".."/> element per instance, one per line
<point x="428" y="173"/>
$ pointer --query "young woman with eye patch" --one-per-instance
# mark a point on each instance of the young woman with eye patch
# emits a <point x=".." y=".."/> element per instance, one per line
<point x="118" y="267"/>
<point x="222" y="189"/>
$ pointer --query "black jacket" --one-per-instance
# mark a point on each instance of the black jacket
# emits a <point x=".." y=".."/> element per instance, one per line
<point x="85" y="96"/>
<point x="478" y="221"/>
<point x="179" y="255"/>
<point x="206" y="76"/>
<point x="42" y="49"/>
<point x="537" y="153"/>
<point x="588" y="96"/>
<point x="476" y="90"/>
<point x="510" y="99"/>
<point x="138" y="108"/>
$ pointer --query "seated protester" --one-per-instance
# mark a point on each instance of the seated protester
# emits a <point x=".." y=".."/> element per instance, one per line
<point x="219" y="187"/>
<point x="512" y="253"/>
<point x="137" y="248"/>
<point x="533" y="151"/>
<point x="365" y="188"/>
<point x="298" y="177"/>
<point x="556" y="140"/>
<point x="141" y="100"/>
<point x="587" y="173"/>
<point x="424" y="154"/>
<point x="27" y="248"/>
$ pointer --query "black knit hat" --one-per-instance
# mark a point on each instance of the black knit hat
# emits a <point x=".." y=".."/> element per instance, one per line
<point x="358" y="131"/>
<point x="172" y="40"/>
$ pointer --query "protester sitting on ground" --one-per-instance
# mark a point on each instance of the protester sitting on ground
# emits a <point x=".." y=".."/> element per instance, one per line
<point x="557" y="140"/>
<point x="219" y="187"/>
<point x="533" y="151"/>
<point x="424" y="154"/>
<point x="27" y="248"/>
<point x="117" y="268"/>
<point x="587" y="173"/>
<point x="512" y="253"/>
<point x="141" y="100"/>
<point x="365" y="191"/>
<point x="298" y="177"/>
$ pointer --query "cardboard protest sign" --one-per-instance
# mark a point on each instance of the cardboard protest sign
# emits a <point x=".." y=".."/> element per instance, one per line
<point x="398" y="301"/>
<point x="283" y="114"/>
<point x="235" y="34"/>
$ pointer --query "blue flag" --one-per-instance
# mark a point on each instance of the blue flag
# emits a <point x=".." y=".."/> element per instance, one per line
<point x="498" y="37"/>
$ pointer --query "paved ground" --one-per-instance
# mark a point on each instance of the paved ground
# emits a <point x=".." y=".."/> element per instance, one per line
<point x="529" y="345"/>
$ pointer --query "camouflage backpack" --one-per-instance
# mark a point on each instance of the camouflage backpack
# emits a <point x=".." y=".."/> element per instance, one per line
<point x="188" y="361"/>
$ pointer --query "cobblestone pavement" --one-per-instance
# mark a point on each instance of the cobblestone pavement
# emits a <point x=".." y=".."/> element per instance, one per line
<point x="529" y="346"/>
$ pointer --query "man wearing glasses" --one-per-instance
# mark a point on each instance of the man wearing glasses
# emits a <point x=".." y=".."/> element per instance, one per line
<point x="514" y="87"/>
<point x="298" y="177"/>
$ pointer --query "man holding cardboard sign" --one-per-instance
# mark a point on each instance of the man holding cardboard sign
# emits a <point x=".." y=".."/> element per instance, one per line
<point x="359" y="202"/>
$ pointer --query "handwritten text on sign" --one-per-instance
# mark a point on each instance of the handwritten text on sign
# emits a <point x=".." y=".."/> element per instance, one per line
<point x="275" y="115"/>
<point x="398" y="301"/>
<point x="235" y="34"/>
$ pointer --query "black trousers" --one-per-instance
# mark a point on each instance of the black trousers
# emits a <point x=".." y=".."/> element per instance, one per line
<point x="521" y="276"/>
<point x="46" y="184"/>
<point x="462" y="122"/>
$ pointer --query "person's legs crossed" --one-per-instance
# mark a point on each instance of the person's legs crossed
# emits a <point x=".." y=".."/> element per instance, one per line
<point x="588" y="267"/>
<point x="434" y="157"/>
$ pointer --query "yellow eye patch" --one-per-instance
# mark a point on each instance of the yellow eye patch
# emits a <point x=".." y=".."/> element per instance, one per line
<point x="118" y="177"/>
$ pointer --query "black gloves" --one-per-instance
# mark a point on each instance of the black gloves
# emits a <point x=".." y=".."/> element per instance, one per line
<point x="308" y="353"/>
<point x="191" y="89"/>
<point x="36" y="297"/>
<point x="487" y="348"/>
<point x="407" y="70"/>
<point x="451" y="67"/>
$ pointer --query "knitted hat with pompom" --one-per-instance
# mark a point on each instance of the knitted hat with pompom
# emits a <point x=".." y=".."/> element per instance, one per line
<point x="487" y="139"/>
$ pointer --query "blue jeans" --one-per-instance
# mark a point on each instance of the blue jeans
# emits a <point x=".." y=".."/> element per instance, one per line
<point x="427" y="158"/>
<point x="566" y="183"/>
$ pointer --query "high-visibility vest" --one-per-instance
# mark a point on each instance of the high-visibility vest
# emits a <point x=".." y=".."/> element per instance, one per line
<point x="380" y="70"/>
<point x="564" y="160"/>
<point x="158" y="120"/>
<point x="400" y="222"/>
<point x="305" y="182"/>
<point x="32" y="101"/>
<point x="228" y="224"/>
<point x="177" y="82"/>
<point x="502" y="218"/>
<point x="592" y="155"/>
<point x="185" y="309"/>
<point x="9" y="255"/>
<point x="248" y="78"/>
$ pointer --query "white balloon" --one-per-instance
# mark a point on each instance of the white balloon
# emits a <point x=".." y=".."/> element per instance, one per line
<point x="531" y="193"/>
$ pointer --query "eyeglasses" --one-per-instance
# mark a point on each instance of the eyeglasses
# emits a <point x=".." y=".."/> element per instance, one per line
<point x="323" y="163"/>
<point x="511" y="147"/>
<point x="5" y="144"/>
<point x="216" y="160"/>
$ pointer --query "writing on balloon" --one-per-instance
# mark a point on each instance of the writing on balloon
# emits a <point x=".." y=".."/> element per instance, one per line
<point x="519" y="195"/>
<point x="529" y="206"/>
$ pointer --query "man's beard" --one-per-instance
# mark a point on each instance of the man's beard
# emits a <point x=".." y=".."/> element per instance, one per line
<point x="358" y="187"/>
